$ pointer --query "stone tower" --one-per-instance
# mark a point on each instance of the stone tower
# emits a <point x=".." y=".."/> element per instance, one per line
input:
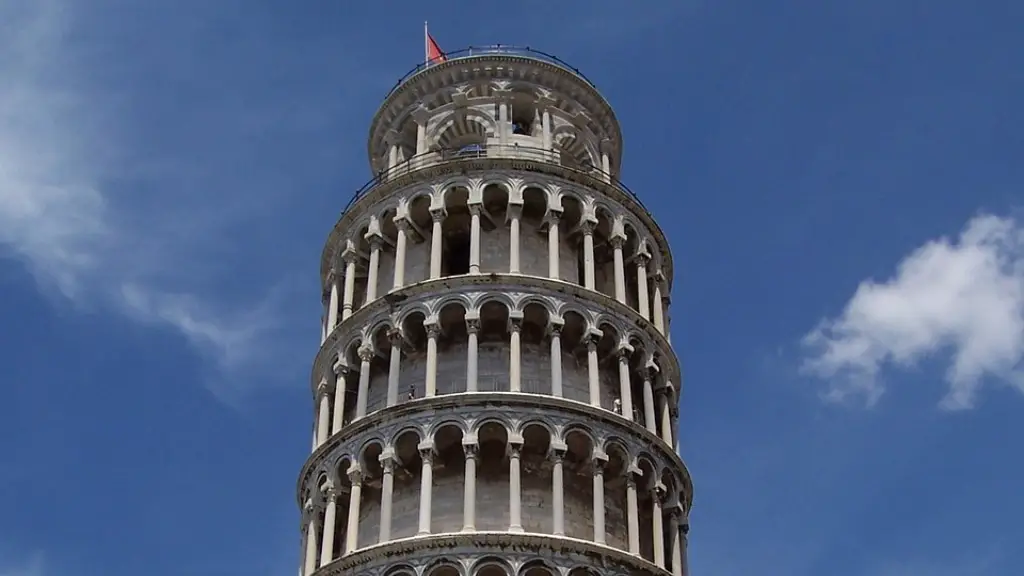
<point x="495" y="391"/>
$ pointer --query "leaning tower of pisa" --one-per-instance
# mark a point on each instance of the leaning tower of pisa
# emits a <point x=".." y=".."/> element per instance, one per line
<point x="495" y="392"/>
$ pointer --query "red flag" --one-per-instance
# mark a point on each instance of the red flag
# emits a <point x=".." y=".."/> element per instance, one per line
<point x="434" y="53"/>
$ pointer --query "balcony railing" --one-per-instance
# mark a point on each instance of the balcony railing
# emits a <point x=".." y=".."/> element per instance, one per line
<point x="512" y="151"/>
<point x="476" y="51"/>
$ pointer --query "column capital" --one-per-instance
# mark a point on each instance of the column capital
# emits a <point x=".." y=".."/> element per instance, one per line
<point x="365" y="353"/>
<point x="473" y="324"/>
<point x="349" y="255"/>
<point x="617" y="241"/>
<point x="332" y="275"/>
<point x="642" y="259"/>
<point x="438" y="214"/>
<point x="598" y="461"/>
<point x="402" y="223"/>
<point x="387" y="461"/>
<point x="324" y="388"/>
<point x="427" y="452"/>
<point x="514" y="446"/>
<point x="375" y="239"/>
<point x="433" y="328"/>
<point x="592" y="336"/>
<point x="395" y="336"/>
<point x="471" y="449"/>
<point x="420" y="114"/>
<point x="587" y="227"/>
<point x="557" y="452"/>
<point x="515" y="322"/>
<point x="340" y="367"/>
<point x="355" y="474"/>
<point x="624" y="351"/>
<point x="555" y="326"/>
<point x="553" y="216"/>
<point x="515" y="210"/>
<point x="659" y="492"/>
<point x="331" y="494"/>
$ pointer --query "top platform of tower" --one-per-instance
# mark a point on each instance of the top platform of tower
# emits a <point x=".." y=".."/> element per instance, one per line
<point x="500" y="98"/>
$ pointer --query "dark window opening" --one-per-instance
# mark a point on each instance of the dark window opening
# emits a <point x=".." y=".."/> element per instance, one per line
<point x="456" y="255"/>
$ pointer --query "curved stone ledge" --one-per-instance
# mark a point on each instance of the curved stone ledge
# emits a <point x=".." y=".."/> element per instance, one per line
<point x="599" y="304"/>
<point x="467" y="553"/>
<point x="515" y="411"/>
<point x="485" y="168"/>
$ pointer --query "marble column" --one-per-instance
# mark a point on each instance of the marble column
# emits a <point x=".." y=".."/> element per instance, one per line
<point x="338" y="417"/>
<point x="593" y="372"/>
<point x="426" y="483"/>
<point x="395" y="366"/>
<point x="546" y="129"/>
<point x="657" y="530"/>
<point x="469" y="490"/>
<point x="598" y="465"/>
<point x="666" y="414"/>
<point x="514" y="211"/>
<point x="555" y="329"/>
<point x="553" y="218"/>
<point x="643" y="304"/>
<point x="557" y="491"/>
<point x="620" y="269"/>
<point x="323" y="419"/>
<point x="656" y="304"/>
<point x="474" y="239"/>
<point x="330" y="516"/>
<point x="373" y="270"/>
<point x="676" y="557"/>
<point x="433" y="331"/>
<point x="588" y="255"/>
<point x="632" y="514"/>
<point x="650" y="420"/>
<point x="472" y="353"/>
<point x="355" y="475"/>
<point x="387" y="488"/>
<point x="514" y="367"/>
<point x="514" y="486"/>
<point x="401" y="248"/>
<point x="332" y="306"/>
<point x="349" y="296"/>
<point x="311" y="539"/>
<point x="437" y="217"/>
<point x="625" y="388"/>
<point x="365" y="355"/>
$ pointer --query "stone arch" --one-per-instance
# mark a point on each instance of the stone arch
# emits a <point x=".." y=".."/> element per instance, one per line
<point x="452" y="342"/>
<point x="401" y="570"/>
<point x="535" y="343"/>
<point x="492" y="436"/>
<point x="492" y="566"/>
<point x="460" y="128"/>
<point x="448" y="476"/>
<point x="444" y="567"/>
<point x="538" y="567"/>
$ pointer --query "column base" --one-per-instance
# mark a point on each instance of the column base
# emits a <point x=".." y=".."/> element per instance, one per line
<point x="516" y="529"/>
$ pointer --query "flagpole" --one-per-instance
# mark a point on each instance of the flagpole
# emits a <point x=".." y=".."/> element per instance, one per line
<point x="426" y="44"/>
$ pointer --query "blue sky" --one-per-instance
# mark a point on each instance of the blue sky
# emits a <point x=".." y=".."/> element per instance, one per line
<point x="840" y="182"/>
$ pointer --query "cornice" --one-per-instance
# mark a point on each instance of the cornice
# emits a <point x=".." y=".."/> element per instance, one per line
<point x="519" y="548"/>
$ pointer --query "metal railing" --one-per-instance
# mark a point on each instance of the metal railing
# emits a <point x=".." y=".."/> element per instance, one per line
<point x="504" y="151"/>
<point x="491" y="49"/>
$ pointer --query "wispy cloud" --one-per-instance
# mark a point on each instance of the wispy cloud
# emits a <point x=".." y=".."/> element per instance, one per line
<point x="58" y="153"/>
<point x="963" y="298"/>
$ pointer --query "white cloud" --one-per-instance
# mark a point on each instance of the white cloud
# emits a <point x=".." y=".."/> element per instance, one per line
<point x="57" y="148"/>
<point x="962" y="298"/>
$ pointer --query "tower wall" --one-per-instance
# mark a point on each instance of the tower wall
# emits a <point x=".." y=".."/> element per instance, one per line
<point x="495" y="372"/>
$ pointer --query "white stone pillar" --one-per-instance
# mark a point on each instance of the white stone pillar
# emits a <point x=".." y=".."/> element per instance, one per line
<point x="513" y="234"/>
<point x="514" y="486"/>
<point x="338" y="419"/>
<point x="515" y="356"/>
<point x="469" y="493"/>
<point x="392" y="156"/>
<point x="323" y="329"/>
<point x="311" y="539"/>
<point x="472" y="354"/>
<point x="365" y="355"/>
<point x="598" y="469"/>
<point x="553" y="218"/>
<point x="330" y="516"/>
<point x="673" y="533"/>
<point x="620" y="269"/>
<point x="588" y="255"/>
<point x="395" y="366"/>
<point x="558" y="491"/>
<point x="374" y="269"/>
<point x="666" y="414"/>
<point x="332" y="306"/>
<point x="437" y="217"/>
<point x="641" y="287"/>
<point x="606" y="166"/>
<point x="546" y="126"/>
<point x="556" y="359"/>
<point x="355" y="475"/>
<point x="323" y="419"/>
<point x="503" y="124"/>
<point x="625" y="389"/>
<point x="387" y="488"/>
<point x="657" y="530"/>
<point x="350" y="285"/>
<point x="474" y="238"/>
<point x="433" y="331"/>
<point x="421" y="138"/>
<point x="632" y="514"/>
<point x="593" y="373"/>
<point x="659" y="311"/>
<point x="401" y="247"/>
<point x="650" y="420"/>
<point x="426" y="483"/>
